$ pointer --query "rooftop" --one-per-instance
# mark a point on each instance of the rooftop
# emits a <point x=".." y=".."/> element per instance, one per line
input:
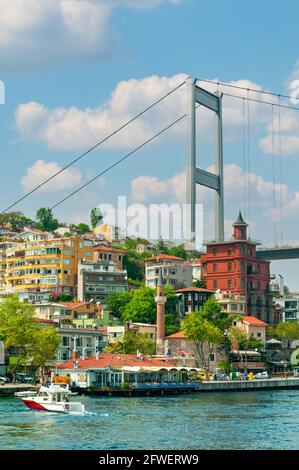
<point x="162" y="256"/>
<point x="194" y="289"/>
<point x="178" y="335"/>
<point x="253" y="321"/>
<point x="114" y="360"/>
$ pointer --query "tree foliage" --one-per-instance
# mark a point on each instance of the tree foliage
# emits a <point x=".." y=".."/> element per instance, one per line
<point x="285" y="331"/>
<point x="131" y="343"/>
<point x="46" y="220"/>
<point x="33" y="343"/>
<point x="96" y="217"/>
<point x="204" y="335"/>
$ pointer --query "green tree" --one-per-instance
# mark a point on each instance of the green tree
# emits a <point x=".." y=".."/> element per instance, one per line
<point x="199" y="283"/>
<point x="142" y="306"/>
<point x="46" y="221"/>
<point x="134" y="266"/>
<point x="17" y="329"/>
<point x="212" y="312"/>
<point x="178" y="251"/>
<point x="44" y="347"/>
<point x="82" y="228"/>
<point x="117" y="301"/>
<point x="96" y="217"/>
<point x="131" y="343"/>
<point x="203" y="334"/>
<point x="161" y="247"/>
<point x="285" y="331"/>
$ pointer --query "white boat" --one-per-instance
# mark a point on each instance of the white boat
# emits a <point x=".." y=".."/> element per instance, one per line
<point x="55" y="399"/>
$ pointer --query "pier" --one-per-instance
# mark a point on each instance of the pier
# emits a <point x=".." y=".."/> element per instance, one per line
<point x="10" y="389"/>
<point x="150" y="389"/>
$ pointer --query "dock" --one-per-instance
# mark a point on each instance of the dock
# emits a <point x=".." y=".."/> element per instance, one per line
<point x="8" y="390"/>
<point x="150" y="389"/>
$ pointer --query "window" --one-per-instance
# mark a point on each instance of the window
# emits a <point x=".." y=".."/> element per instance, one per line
<point x="119" y="257"/>
<point x="214" y="268"/>
<point x="241" y="250"/>
<point x="243" y="266"/>
<point x="229" y="266"/>
<point x="258" y="334"/>
<point x="214" y="251"/>
<point x="242" y="283"/>
<point x="66" y="261"/>
<point x="230" y="284"/>
<point x="229" y="251"/>
<point x="88" y="253"/>
<point x="214" y="284"/>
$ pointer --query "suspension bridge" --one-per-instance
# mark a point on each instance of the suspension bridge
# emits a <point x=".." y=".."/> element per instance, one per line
<point x="211" y="100"/>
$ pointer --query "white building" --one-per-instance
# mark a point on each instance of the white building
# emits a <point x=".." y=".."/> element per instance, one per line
<point x="176" y="271"/>
<point x="289" y="308"/>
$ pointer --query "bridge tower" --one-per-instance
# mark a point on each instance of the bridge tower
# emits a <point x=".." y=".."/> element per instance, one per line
<point x="198" y="95"/>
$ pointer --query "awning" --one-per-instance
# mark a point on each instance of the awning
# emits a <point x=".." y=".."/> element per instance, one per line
<point x="131" y="368"/>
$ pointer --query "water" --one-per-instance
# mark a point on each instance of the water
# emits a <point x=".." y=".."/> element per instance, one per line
<point x="251" y="420"/>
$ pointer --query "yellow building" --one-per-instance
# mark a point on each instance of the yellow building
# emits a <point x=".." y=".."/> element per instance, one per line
<point x="46" y="265"/>
<point x="108" y="232"/>
<point x="4" y="245"/>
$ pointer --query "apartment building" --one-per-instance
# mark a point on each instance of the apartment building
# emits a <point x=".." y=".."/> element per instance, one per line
<point x="46" y="265"/>
<point x="176" y="271"/>
<point x="97" y="280"/>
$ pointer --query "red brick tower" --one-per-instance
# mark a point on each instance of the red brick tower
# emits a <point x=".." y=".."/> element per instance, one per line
<point x="232" y="266"/>
<point x="160" y="301"/>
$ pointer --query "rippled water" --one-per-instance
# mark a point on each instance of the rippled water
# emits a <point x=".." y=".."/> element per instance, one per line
<point x="253" y="420"/>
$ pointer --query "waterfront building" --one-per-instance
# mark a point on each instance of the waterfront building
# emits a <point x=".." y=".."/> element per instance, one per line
<point x="48" y="265"/>
<point x="96" y="280"/>
<point x="115" y="371"/>
<point x="4" y="245"/>
<point x="232" y="266"/>
<point x="176" y="271"/>
<point x="191" y="299"/>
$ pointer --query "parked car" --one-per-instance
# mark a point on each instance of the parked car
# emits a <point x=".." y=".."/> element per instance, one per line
<point x="3" y="380"/>
<point x="262" y="375"/>
<point x="24" y="378"/>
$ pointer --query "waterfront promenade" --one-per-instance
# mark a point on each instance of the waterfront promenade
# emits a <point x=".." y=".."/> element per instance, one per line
<point x="10" y="389"/>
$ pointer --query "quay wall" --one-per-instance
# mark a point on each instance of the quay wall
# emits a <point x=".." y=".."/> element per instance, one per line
<point x="10" y="389"/>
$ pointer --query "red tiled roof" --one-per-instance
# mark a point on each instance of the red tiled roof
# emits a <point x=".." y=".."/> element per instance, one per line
<point x="113" y="360"/>
<point x="72" y="305"/>
<point x="178" y="335"/>
<point x="160" y="257"/>
<point x="253" y="321"/>
<point x="103" y="247"/>
<point x="194" y="289"/>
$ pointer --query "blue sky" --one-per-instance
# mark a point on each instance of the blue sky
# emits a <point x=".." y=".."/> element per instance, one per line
<point x="68" y="67"/>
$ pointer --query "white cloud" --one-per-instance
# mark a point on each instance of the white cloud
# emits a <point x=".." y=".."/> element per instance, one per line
<point x="42" y="33"/>
<point x="42" y="170"/>
<point x="73" y="128"/>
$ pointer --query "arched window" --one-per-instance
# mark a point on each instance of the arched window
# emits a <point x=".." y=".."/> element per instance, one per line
<point x="229" y="266"/>
<point x="230" y="284"/>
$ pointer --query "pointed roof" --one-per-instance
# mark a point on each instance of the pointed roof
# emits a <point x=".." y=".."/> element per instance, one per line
<point x="240" y="220"/>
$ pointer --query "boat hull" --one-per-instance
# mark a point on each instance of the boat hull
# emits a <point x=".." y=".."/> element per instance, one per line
<point x="56" y="408"/>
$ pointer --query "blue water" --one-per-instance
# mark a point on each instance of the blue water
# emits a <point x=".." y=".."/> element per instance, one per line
<point x="253" y="420"/>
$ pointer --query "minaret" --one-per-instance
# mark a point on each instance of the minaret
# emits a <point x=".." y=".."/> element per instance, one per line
<point x="160" y="301"/>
